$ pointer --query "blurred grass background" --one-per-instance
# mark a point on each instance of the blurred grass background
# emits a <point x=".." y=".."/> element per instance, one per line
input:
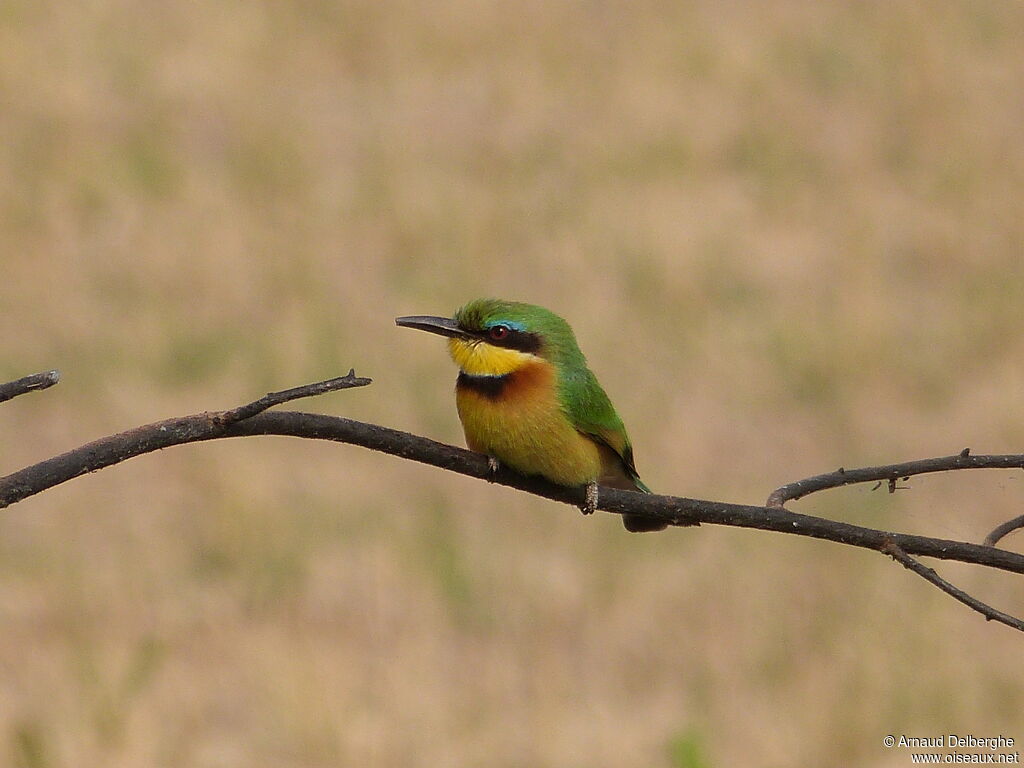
<point x="789" y="237"/>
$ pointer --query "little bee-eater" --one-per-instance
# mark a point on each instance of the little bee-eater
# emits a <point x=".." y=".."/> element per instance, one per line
<point x="527" y="399"/>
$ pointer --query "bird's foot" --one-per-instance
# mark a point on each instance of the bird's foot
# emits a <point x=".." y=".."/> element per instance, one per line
<point x="493" y="465"/>
<point x="589" y="505"/>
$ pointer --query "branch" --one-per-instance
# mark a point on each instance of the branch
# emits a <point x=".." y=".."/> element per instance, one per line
<point x="253" y="419"/>
<point x="1001" y="530"/>
<point x="991" y="614"/>
<point x="28" y="384"/>
<point x="894" y="472"/>
<point x="890" y="473"/>
<point x="120" y="447"/>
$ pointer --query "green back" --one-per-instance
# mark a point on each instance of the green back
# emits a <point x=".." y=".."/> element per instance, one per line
<point x="592" y="413"/>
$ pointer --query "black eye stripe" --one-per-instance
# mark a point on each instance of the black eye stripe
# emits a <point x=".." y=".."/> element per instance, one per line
<point x="514" y="339"/>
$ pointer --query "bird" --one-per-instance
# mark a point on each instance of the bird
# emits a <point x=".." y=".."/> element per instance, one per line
<point x="527" y="399"/>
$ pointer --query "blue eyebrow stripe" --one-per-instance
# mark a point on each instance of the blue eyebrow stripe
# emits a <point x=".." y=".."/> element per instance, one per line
<point x="513" y="324"/>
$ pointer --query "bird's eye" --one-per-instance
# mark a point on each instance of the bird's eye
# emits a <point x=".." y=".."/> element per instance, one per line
<point x="498" y="332"/>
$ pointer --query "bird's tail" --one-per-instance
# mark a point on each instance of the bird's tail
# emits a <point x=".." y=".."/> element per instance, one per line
<point x="642" y="523"/>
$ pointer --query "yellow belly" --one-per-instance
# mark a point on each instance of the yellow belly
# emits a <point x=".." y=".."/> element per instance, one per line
<point x="527" y="430"/>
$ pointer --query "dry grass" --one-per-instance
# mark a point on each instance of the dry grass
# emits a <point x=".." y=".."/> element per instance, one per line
<point x="789" y="237"/>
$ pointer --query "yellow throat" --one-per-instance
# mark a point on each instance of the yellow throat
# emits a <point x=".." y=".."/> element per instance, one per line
<point x="478" y="358"/>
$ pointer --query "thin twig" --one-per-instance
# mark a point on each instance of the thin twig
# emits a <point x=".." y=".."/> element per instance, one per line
<point x="1002" y="530"/>
<point x="271" y="399"/>
<point x="893" y="549"/>
<point x="890" y="473"/>
<point x="31" y="383"/>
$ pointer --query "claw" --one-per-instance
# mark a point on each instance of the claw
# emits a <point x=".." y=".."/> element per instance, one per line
<point x="590" y="503"/>
<point x="492" y="467"/>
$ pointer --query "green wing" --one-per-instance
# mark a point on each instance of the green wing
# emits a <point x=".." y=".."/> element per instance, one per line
<point x="592" y="413"/>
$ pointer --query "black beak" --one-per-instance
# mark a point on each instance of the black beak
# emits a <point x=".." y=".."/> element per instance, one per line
<point x="444" y="326"/>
